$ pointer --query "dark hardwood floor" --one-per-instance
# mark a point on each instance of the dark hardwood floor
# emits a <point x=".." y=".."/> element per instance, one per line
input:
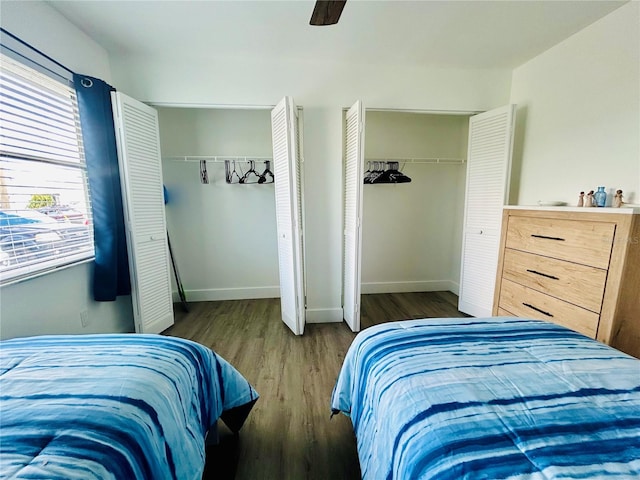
<point x="289" y="433"/>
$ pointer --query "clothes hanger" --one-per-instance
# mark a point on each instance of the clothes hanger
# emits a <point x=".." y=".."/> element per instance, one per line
<point x="395" y="175"/>
<point x="379" y="173"/>
<point x="234" y="172"/>
<point x="252" y="170"/>
<point x="382" y="177"/>
<point x="204" y="176"/>
<point x="367" y="174"/>
<point x="267" y="171"/>
<point x="375" y="173"/>
<point x="392" y="175"/>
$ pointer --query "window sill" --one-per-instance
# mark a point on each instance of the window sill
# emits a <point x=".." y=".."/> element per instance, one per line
<point x="43" y="272"/>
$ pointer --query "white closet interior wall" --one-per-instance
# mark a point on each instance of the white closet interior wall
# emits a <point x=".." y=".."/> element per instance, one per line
<point x="223" y="236"/>
<point x="412" y="232"/>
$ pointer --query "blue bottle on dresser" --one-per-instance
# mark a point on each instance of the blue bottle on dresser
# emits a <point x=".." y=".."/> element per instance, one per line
<point x="601" y="197"/>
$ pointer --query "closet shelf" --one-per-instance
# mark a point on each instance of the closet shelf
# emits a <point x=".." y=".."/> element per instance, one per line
<point x="442" y="161"/>
<point x="217" y="158"/>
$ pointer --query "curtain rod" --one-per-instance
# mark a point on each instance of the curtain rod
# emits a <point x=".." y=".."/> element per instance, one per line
<point x="31" y="61"/>
<point x="39" y="52"/>
<point x="28" y="55"/>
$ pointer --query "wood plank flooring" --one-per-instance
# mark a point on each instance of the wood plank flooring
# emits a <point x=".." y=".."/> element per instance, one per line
<point x="289" y="433"/>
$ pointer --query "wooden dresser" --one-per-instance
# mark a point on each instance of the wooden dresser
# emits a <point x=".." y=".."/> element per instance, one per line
<point x="578" y="267"/>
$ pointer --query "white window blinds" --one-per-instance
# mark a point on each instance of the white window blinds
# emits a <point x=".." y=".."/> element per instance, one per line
<point x="45" y="215"/>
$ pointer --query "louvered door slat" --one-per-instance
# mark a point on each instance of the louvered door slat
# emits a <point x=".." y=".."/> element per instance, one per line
<point x="488" y="175"/>
<point x="141" y="176"/>
<point x="354" y="159"/>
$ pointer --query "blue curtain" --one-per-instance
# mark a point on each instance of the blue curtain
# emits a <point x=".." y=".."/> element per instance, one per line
<point x="111" y="274"/>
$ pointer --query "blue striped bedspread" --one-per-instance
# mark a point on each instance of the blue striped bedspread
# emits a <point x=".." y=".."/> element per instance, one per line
<point x="489" y="399"/>
<point x="120" y="406"/>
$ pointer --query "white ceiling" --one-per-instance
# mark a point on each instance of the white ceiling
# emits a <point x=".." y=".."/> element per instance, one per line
<point x="468" y="34"/>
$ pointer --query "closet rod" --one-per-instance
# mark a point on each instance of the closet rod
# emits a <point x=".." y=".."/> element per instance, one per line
<point x="443" y="161"/>
<point x="217" y="158"/>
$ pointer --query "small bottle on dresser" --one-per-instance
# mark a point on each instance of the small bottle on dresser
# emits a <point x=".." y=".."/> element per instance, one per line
<point x="600" y="197"/>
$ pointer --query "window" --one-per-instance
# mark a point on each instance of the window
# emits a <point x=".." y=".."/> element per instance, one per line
<point x="45" y="214"/>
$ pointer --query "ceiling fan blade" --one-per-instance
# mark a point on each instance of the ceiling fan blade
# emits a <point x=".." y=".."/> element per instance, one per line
<point x="327" y="12"/>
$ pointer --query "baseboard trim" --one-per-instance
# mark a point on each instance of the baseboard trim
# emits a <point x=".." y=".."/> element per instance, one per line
<point x="324" y="315"/>
<point x="405" y="287"/>
<point x="215" y="294"/>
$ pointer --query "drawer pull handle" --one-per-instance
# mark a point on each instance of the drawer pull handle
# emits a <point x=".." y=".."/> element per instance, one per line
<point x="543" y="274"/>
<point x="538" y="310"/>
<point x="548" y="238"/>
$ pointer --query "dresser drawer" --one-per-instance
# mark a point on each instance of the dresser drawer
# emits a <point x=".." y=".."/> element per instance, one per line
<point x="588" y="243"/>
<point x="578" y="284"/>
<point x="528" y="303"/>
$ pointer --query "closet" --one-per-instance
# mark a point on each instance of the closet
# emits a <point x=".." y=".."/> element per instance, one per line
<point x="410" y="232"/>
<point x="416" y="235"/>
<point x="230" y="240"/>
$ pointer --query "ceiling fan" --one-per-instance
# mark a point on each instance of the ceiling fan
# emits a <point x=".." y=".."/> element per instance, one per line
<point x="327" y="12"/>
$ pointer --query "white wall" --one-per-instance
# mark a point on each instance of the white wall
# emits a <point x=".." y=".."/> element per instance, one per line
<point x="323" y="90"/>
<point x="223" y="235"/>
<point x="578" y="123"/>
<point x="52" y="303"/>
<point x="43" y="27"/>
<point x="412" y="232"/>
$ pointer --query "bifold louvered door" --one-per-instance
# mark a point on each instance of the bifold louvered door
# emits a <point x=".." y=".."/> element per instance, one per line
<point x="287" y="173"/>
<point x="487" y="191"/>
<point x="138" y="142"/>
<point x="352" y="260"/>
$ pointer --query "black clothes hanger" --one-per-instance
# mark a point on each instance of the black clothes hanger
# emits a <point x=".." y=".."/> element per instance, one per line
<point x="267" y="173"/>
<point x="367" y="173"/>
<point x="204" y="176"/>
<point x="382" y="177"/>
<point x="246" y="178"/>
<point x="391" y="175"/>
<point x="395" y="175"/>
<point x="375" y="173"/>
<point x="229" y="176"/>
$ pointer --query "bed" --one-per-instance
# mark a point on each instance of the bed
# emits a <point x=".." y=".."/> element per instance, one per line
<point x="489" y="399"/>
<point x="121" y="406"/>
